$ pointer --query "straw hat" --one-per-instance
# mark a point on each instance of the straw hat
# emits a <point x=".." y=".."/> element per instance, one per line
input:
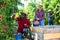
<point x="49" y="10"/>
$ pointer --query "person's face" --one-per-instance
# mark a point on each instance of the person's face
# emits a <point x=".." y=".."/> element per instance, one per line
<point x="50" y="12"/>
<point x="40" y="8"/>
<point x="22" y="16"/>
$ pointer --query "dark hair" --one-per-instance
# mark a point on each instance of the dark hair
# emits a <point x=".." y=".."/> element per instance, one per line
<point x="22" y="13"/>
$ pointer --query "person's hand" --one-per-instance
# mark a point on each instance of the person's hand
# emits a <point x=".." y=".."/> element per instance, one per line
<point x="14" y="12"/>
<point x="37" y="18"/>
<point x="25" y="25"/>
<point x="19" y="33"/>
<point x="53" y="15"/>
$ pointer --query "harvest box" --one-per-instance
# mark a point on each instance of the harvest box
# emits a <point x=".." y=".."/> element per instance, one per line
<point x="47" y="32"/>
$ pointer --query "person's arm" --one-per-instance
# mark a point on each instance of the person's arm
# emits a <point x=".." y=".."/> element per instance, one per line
<point x="28" y="24"/>
<point x="48" y="15"/>
<point x="51" y="15"/>
<point x="13" y="17"/>
<point x="36" y="16"/>
<point x="42" y="17"/>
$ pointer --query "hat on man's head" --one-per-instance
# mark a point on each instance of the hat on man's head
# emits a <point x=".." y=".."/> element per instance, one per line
<point x="23" y="13"/>
<point x="49" y="10"/>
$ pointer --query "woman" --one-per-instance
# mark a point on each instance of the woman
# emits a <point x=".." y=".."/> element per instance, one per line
<point x="39" y="15"/>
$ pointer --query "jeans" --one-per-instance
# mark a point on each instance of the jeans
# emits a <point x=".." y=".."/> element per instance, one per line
<point x="50" y="22"/>
<point x="41" y="23"/>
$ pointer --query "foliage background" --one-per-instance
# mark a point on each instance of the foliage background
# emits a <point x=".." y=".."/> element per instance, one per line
<point x="9" y="7"/>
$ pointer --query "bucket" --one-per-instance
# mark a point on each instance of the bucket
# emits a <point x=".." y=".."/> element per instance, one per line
<point x="18" y="36"/>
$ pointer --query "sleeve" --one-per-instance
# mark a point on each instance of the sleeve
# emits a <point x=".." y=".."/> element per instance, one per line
<point x="48" y="15"/>
<point x="28" y="23"/>
<point x="17" y="19"/>
<point x="51" y="16"/>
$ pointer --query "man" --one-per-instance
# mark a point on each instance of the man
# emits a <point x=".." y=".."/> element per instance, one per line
<point x="50" y="17"/>
<point x="22" y="22"/>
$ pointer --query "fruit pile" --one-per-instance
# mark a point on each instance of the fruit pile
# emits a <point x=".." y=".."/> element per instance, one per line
<point x="7" y="8"/>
